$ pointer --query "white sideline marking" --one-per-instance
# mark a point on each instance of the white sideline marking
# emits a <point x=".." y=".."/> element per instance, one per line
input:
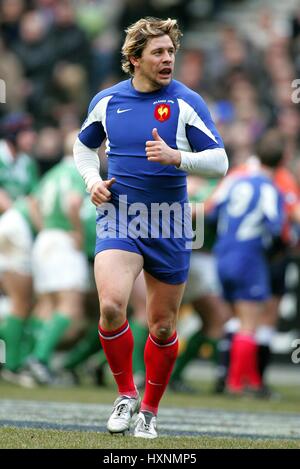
<point x="175" y="421"/>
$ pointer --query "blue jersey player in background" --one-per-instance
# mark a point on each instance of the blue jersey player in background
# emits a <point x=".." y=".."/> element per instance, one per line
<point x="249" y="212"/>
<point x="156" y="130"/>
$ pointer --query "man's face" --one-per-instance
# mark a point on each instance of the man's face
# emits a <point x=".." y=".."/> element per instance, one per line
<point x="155" y="67"/>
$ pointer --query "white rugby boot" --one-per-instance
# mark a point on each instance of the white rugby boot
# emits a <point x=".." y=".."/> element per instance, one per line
<point x="124" y="409"/>
<point x="145" y="425"/>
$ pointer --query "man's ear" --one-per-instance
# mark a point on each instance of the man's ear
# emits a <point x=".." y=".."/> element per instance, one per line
<point x="134" y="60"/>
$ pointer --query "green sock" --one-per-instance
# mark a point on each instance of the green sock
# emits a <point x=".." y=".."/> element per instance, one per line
<point x="140" y="334"/>
<point x="32" y="329"/>
<point x="86" y="347"/>
<point x="2" y="329"/>
<point x="12" y="332"/>
<point x="50" y="335"/>
<point x="194" y="343"/>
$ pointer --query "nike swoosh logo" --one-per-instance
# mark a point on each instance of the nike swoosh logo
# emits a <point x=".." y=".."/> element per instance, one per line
<point x="154" y="384"/>
<point x="120" y="111"/>
<point x="117" y="374"/>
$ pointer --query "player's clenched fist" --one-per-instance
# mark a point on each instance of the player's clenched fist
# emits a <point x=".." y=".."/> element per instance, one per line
<point x="100" y="191"/>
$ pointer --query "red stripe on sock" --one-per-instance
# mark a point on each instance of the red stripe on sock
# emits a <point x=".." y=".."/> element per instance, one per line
<point x="110" y="334"/>
<point x="164" y="343"/>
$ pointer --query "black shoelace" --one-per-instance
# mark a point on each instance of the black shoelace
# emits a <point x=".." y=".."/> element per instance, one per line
<point x="147" y="426"/>
<point x="121" y="409"/>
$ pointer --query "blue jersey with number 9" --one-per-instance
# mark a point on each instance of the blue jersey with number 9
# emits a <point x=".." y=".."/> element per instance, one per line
<point x="249" y="211"/>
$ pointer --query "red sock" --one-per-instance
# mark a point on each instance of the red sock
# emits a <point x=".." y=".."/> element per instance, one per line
<point x="160" y="356"/>
<point x="253" y="374"/>
<point x="118" y="348"/>
<point x="243" y="363"/>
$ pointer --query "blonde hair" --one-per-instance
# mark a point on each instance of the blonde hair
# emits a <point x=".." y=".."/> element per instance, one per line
<point x="138" y="34"/>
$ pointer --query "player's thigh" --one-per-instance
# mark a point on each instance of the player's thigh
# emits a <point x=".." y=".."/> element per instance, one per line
<point x="163" y="300"/>
<point x="115" y="273"/>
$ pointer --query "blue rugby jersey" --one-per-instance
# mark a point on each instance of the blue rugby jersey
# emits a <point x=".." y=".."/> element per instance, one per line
<point x="126" y="118"/>
<point x="249" y="211"/>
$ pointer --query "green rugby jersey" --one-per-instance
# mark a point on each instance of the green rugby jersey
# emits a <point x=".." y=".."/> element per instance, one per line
<point x="18" y="176"/>
<point x="53" y="191"/>
<point x="206" y="189"/>
<point x="88" y="217"/>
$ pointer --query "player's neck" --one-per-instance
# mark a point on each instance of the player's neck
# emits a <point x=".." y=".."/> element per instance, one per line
<point x="268" y="171"/>
<point x="144" y="86"/>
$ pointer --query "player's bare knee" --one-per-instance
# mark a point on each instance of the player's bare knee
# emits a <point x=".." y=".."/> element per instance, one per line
<point x="111" y="310"/>
<point x="163" y="331"/>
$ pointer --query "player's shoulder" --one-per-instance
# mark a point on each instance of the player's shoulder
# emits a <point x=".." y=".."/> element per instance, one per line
<point x="259" y="181"/>
<point x="251" y="177"/>
<point x="191" y="97"/>
<point x="26" y="159"/>
<point x="111" y="91"/>
<point x="65" y="169"/>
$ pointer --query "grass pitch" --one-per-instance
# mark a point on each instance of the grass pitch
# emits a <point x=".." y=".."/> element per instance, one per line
<point x="55" y="439"/>
<point x="13" y="436"/>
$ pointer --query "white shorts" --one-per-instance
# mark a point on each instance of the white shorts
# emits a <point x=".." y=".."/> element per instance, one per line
<point x="203" y="278"/>
<point x="56" y="263"/>
<point x="16" y="242"/>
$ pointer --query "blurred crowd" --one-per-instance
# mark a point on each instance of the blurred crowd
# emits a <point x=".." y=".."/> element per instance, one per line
<point x="55" y="55"/>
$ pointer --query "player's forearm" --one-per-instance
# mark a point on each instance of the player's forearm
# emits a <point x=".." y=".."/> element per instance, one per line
<point x="87" y="163"/>
<point x="213" y="163"/>
<point x="74" y="203"/>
